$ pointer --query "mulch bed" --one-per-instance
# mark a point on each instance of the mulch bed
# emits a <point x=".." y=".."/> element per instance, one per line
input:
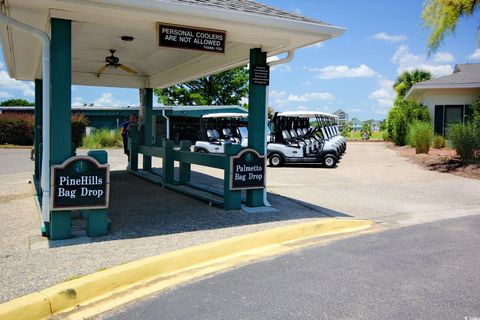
<point x="441" y="160"/>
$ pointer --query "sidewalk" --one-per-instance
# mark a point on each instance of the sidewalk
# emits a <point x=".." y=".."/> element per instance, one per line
<point x="157" y="221"/>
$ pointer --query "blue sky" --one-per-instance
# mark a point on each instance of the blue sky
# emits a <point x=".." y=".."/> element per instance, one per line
<point x="353" y="72"/>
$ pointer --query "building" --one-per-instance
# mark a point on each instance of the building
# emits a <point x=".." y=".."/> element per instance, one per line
<point x="449" y="98"/>
<point x="184" y="121"/>
<point x="356" y="124"/>
<point x="342" y="116"/>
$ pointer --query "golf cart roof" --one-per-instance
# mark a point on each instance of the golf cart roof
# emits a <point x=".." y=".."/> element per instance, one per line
<point x="306" y="114"/>
<point x="226" y="115"/>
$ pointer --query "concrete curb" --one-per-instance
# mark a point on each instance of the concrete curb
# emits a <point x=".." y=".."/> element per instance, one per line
<point x="85" y="290"/>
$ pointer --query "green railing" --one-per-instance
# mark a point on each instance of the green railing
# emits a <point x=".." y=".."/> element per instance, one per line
<point x="183" y="154"/>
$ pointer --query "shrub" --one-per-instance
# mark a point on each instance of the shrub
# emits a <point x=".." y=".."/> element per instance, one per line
<point x="79" y="126"/>
<point x="401" y="116"/>
<point x="420" y="135"/>
<point x="104" y="138"/>
<point x="386" y="136"/>
<point x="439" y="142"/>
<point x="16" y="129"/>
<point x="465" y="140"/>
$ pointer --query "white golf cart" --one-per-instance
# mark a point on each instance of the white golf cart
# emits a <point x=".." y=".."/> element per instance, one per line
<point x="304" y="137"/>
<point x="217" y="128"/>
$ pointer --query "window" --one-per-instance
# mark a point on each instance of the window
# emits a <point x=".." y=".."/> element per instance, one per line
<point x="447" y="115"/>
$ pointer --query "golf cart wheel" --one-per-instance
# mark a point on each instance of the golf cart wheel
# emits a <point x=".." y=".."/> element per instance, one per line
<point x="201" y="151"/>
<point x="275" y="160"/>
<point x="329" y="161"/>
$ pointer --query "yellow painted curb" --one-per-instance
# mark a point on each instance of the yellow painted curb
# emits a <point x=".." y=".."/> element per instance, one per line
<point x="32" y="306"/>
<point x="87" y="289"/>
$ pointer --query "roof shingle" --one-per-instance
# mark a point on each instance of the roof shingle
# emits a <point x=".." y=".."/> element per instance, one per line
<point x="248" y="6"/>
<point x="463" y="74"/>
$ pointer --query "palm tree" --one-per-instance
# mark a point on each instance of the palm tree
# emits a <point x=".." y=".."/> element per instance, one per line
<point x="407" y="79"/>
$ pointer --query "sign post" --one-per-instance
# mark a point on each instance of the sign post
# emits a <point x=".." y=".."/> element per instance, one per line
<point x="79" y="183"/>
<point x="247" y="170"/>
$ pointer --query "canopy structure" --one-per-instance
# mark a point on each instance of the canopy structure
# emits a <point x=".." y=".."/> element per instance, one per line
<point x="98" y="26"/>
<point x="307" y="114"/>
<point x="225" y="115"/>
<point x="143" y="44"/>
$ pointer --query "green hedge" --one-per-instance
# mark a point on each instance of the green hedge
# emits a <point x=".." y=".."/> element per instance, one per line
<point x="17" y="129"/>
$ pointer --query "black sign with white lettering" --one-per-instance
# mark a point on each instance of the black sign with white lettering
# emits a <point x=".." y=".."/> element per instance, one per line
<point x="185" y="37"/>
<point x="260" y="75"/>
<point x="247" y="170"/>
<point x="80" y="183"/>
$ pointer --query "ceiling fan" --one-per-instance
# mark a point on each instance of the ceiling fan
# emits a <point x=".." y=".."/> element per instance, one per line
<point x="113" y="63"/>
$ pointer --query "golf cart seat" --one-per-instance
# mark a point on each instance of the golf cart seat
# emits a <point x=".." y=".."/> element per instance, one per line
<point x="289" y="141"/>
<point x="228" y="135"/>
<point x="213" y="136"/>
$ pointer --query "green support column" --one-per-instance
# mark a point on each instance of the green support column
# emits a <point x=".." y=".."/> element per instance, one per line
<point x="37" y="132"/>
<point x="168" y="163"/>
<point x="60" y="113"/>
<point x="232" y="199"/>
<point x="133" y="142"/>
<point x="257" y="101"/>
<point x="97" y="219"/>
<point x="147" y="116"/>
<point x="185" y="169"/>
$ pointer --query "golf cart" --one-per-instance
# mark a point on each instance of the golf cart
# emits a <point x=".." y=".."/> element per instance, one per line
<point x="217" y="128"/>
<point x="295" y="140"/>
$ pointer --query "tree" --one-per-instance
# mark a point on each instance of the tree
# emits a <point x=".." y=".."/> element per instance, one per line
<point x="405" y="112"/>
<point x="442" y="16"/>
<point x="16" y="103"/>
<point x="407" y="79"/>
<point x="270" y="112"/>
<point x="226" y="88"/>
<point x="367" y="128"/>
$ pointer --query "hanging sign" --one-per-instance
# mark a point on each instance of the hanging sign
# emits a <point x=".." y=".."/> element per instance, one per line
<point x="80" y="182"/>
<point x="193" y="38"/>
<point x="260" y="75"/>
<point x="247" y="170"/>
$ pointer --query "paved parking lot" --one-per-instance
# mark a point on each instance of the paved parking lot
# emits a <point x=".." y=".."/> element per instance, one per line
<point x="371" y="181"/>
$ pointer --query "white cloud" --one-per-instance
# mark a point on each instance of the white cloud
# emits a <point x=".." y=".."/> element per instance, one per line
<point x="317" y="45"/>
<point x="26" y="87"/>
<point x="77" y="102"/>
<point x="282" y="100"/>
<point x="107" y="100"/>
<point x="302" y="108"/>
<point x="281" y="67"/>
<point x="408" y="61"/>
<point x="1" y="66"/>
<point x="277" y="97"/>
<point x="4" y="94"/>
<point x="385" y="94"/>
<point x="354" y="110"/>
<point x="383" y="36"/>
<point x="272" y="58"/>
<point x="307" y="83"/>
<point x="443" y="57"/>
<point x="314" y="96"/>
<point x="343" y="71"/>
<point x="475" y="55"/>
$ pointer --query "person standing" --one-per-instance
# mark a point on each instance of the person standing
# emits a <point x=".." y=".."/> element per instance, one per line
<point x="124" y="131"/>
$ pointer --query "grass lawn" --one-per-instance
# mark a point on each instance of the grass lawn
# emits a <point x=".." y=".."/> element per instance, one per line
<point x="376" y="135"/>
